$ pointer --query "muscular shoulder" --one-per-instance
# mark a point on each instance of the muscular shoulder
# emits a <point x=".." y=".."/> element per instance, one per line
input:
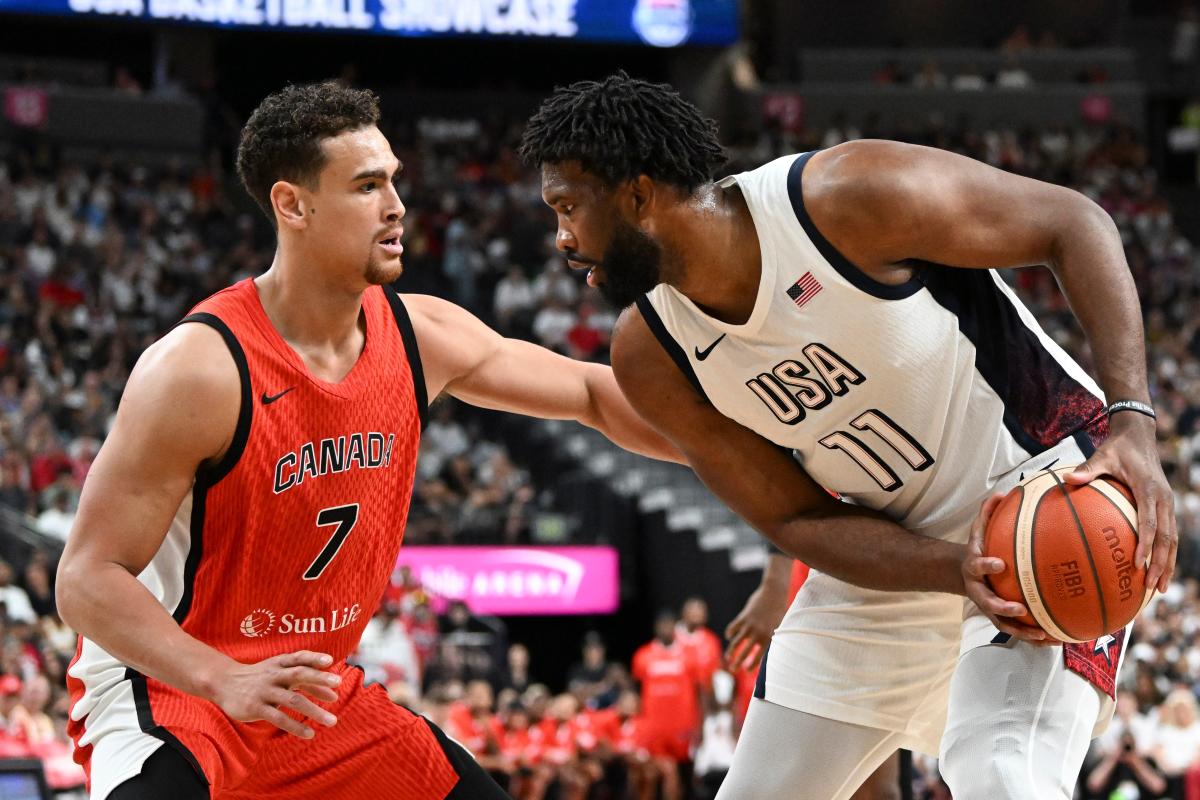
<point x="861" y="196"/>
<point x="452" y="340"/>
<point x="648" y="377"/>
<point x="186" y="390"/>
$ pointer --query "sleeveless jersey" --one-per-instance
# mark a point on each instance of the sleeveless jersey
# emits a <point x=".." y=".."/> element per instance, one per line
<point x="288" y="543"/>
<point x="904" y="398"/>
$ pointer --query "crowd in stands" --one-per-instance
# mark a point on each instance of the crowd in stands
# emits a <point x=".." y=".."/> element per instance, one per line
<point x="614" y="730"/>
<point x="97" y="259"/>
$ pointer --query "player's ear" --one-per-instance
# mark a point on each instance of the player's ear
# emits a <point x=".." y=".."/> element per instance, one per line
<point x="642" y="190"/>
<point x="291" y="205"/>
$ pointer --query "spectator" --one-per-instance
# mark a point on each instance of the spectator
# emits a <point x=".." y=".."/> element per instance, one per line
<point x="589" y="678"/>
<point x="516" y="675"/>
<point x="1124" y="772"/>
<point x="57" y="520"/>
<point x="670" y="687"/>
<point x="514" y="303"/>
<point x="1177" y="740"/>
<point x="552" y="324"/>
<point x="387" y="655"/>
<point x="16" y="601"/>
<point x="699" y="642"/>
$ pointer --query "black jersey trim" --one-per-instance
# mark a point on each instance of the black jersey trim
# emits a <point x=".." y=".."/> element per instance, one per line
<point x="760" y="682"/>
<point x="409" y="336"/>
<point x="195" y="551"/>
<point x="1043" y="403"/>
<point x="141" y="703"/>
<point x="654" y="321"/>
<point x="845" y="268"/>
<point x="241" y="434"/>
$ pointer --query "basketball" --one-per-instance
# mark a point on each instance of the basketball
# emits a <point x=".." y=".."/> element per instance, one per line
<point x="1070" y="555"/>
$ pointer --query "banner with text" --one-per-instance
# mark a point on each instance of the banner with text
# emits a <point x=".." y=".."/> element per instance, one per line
<point x="519" y="580"/>
<point x="661" y="23"/>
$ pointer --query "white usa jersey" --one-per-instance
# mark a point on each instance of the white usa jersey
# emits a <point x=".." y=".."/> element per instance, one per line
<point x="910" y="399"/>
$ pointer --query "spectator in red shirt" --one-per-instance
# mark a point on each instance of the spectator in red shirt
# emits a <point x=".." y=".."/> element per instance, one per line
<point x="631" y="746"/>
<point x="700" y="642"/>
<point x="670" y="682"/>
<point x="422" y="628"/>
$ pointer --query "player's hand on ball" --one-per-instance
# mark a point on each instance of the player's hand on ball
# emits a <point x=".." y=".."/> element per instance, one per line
<point x="751" y="631"/>
<point x="251" y="692"/>
<point x="1130" y="454"/>
<point x="976" y="567"/>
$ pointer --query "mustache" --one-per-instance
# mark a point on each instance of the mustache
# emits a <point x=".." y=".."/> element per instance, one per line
<point x="573" y="255"/>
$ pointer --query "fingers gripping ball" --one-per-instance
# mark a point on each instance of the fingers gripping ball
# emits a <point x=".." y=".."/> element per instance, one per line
<point x="1069" y="555"/>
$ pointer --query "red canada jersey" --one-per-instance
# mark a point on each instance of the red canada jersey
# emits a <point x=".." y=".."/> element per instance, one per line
<point x="288" y="542"/>
<point x="295" y="534"/>
<point x="669" y="679"/>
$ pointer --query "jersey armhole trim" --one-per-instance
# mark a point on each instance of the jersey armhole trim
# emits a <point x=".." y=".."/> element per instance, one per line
<point x="669" y="344"/>
<point x="844" y="267"/>
<point x="241" y="434"/>
<point x="409" y="336"/>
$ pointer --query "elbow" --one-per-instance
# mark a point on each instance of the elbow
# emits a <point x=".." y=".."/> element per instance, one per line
<point x="66" y="592"/>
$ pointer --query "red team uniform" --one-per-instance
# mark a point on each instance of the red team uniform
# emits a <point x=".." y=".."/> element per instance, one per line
<point x="287" y="544"/>
<point x="670" y="706"/>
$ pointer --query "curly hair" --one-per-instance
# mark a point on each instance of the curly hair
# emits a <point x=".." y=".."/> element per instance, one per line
<point x="622" y="127"/>
<point x="282" y="138"/>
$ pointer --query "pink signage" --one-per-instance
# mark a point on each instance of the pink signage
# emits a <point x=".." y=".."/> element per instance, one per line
<point x="519" y="580"/>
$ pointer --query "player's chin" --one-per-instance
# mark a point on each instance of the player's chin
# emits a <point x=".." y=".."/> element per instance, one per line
<point x="383" y="272"/>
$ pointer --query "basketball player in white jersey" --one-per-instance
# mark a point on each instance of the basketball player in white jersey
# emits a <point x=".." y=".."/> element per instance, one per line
<point x="831" y="321"/>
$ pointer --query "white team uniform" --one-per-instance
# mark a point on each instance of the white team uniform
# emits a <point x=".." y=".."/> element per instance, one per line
<point x="918" y="400"/>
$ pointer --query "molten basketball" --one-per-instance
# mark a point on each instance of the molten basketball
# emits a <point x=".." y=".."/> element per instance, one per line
<point x="1069" y="553"/>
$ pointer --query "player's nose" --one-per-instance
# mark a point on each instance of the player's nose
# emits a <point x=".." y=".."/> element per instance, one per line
<point x="395" y="208"/>
<point x="565" y="239"/>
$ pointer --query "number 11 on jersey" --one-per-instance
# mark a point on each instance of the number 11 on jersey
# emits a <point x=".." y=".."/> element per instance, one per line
<point x="893" y="435"/>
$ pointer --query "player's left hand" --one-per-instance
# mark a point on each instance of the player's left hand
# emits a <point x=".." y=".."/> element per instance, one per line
<point x="751" y="631"/>
<point x="1130" y="454"/>
<point x="975" y="569"/>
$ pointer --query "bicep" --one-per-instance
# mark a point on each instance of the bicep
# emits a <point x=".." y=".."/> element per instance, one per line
<point x="465" y="358"/>
<point x="883" y="203"/>
<point x="528" y="379"/>
<point x="170" y="421"/>
<point x="756" y="478"/>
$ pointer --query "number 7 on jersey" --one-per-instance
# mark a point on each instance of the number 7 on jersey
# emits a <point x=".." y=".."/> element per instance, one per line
<point x="342" y="516"/>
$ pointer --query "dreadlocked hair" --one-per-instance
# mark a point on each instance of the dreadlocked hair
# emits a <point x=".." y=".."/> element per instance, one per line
<point x="282" y="138"/>
<point x="622" y="127"/>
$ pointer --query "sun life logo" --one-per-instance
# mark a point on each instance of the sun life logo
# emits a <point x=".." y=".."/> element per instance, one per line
<point x="258" y="622"/>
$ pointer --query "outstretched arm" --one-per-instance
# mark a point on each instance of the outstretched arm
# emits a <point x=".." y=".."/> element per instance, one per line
<point x="885" y="205"/>
<point x="465" y="358"/>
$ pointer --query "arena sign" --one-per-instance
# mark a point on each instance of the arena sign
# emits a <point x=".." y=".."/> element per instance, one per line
<point x="661" y="23"/>
<point x="519" y="580"/>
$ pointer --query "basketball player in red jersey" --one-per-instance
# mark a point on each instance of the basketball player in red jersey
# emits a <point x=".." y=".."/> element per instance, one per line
<point x="243" y="517"/>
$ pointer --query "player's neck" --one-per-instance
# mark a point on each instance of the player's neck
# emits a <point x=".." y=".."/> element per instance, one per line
<point x="716" y="263"/>
<point x="319" y="319"/>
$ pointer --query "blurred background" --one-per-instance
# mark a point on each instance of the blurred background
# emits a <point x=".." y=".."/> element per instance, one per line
<point x="538" y="559"/>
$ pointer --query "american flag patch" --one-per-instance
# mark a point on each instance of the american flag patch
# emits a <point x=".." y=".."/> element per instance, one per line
<point x="804" y="289"/>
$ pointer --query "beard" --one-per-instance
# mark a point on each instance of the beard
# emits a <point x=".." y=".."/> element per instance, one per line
<point x="377" y="274"/>
<point x="631" y="266"/>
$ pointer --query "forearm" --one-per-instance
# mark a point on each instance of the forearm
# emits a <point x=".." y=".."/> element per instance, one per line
<point x="866" y="549"/>
<point x="1089" y="262"/>
<point x="1147" y="775"/>
<point x="109" y="606"/>
<point x="777" y="574"/>
<point x="610" y="413"/>
<point x="1099" y="775"/>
